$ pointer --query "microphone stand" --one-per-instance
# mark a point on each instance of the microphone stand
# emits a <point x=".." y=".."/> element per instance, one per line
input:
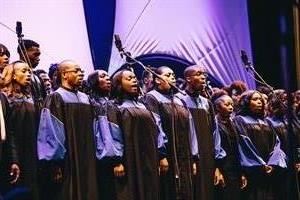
<point x="291" y="135"/>
<point x="20" y="36"/>
<point x="128" y="58"/>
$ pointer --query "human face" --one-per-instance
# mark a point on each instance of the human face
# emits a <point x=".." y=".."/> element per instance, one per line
<point x="256" y="104"/>
<point x="197" y="79"/>
<point x="34" y="56"/>
<point x="148" y="82"/>
<point x="104" y="81"/>
<point x="4" y="58"/>
<point x="129" y="83"/>
<point x="296" y="101"/>
<point x="169" y="76"/>
<point x="46" y="80"/>
<point x="74" y="75"/>
<point x="22" y="74"/>
<point x="283" y="103"/>
<point x="225" y="107"/>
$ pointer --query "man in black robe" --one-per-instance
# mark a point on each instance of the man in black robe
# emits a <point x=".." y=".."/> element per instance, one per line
<point x="66" y="141"/>
<point x="202" y="114"/>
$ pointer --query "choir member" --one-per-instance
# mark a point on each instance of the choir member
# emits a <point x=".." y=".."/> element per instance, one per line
<point x="66" y="145"/>
<point x="45" y="80"/>
<point x="278" y="119"/>
<point x="29" y="52"/>
<point x="4" y="57"/>
<point x="9" y="162"/>
<point x="5" y="69"/>
<point x="139" y="178"/>
<point x="259" y="147"/>
<point x="52" y="73"/>
<point x="107" y="134"/>
<point x="147" y="81"/>
<point x="203" y="124"/>
<point x="23" y="125"/>
<point x="235" y="90"/>
<point x="230" y="165"/>
<point x="176" y="183"/>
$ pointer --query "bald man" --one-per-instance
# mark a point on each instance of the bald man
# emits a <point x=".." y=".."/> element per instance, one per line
<point x="208" y="140"/>
<point x="66" y="144"/>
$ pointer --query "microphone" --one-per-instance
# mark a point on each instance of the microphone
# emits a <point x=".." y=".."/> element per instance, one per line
<point x="19" y="29"/>
<point x="118" y="43"/>
<point x="245" y="59"/>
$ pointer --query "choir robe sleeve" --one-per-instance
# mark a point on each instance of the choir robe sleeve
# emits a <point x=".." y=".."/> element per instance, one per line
<point x="9" y="146"/>
<point x="153" y="105"/>
<point x="193" y="138"/>
<point x="249" y="156"/>
<point x="51" y="136"/>
<point x="296" y="129"/>
<point x="108" y="137"/>
<point x="277" y="157"/>
<point x="220" y="153"/>
<point x="162" y="139"/>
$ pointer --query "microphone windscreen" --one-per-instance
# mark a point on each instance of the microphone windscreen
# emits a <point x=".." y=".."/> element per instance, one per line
<point x="19" y="28"/>
<point x="244" y="57"/>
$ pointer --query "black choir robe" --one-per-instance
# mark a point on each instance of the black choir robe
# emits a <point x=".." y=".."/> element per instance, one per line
<point x="140" y="153"/>
<point x="107" y="135"/>
<point x="66" y="140"/>
<point x="258" y="146"/>
<point x="8" y="149"/>
<point x="23" y="126"/>
<point x="230" y="165"/>
<point x="177" y="183"/>
<point x="286" y="187"/>
<point x="208" y="140"/>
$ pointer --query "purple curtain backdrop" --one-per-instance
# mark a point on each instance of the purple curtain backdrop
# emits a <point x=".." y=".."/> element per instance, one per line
<point x="210" y="33"/>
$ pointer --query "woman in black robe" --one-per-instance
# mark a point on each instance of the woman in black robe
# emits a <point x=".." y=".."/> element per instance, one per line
<point x="259" y="148"/>
<point x="137" y="171"/>
<point x="230" y="165"/>
<point x="277" y="107"/>
<point x="176" y="183"/>
<point x="9" y="168"/>
<point x="23" y="126"/>
<point x="100" y="87"/>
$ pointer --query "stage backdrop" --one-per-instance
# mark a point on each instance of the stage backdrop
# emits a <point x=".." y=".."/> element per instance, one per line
<point x="57" y="25"/>
<point x="206" y="32"/>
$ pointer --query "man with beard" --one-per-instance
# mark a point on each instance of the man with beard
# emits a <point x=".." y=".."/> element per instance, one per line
<point x="203" y="123"/>
<point x="29" y="52"/>
<point x="66" y="143"/>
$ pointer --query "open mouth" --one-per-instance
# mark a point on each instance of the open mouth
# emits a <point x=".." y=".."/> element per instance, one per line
<point x="134" y="87"/>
